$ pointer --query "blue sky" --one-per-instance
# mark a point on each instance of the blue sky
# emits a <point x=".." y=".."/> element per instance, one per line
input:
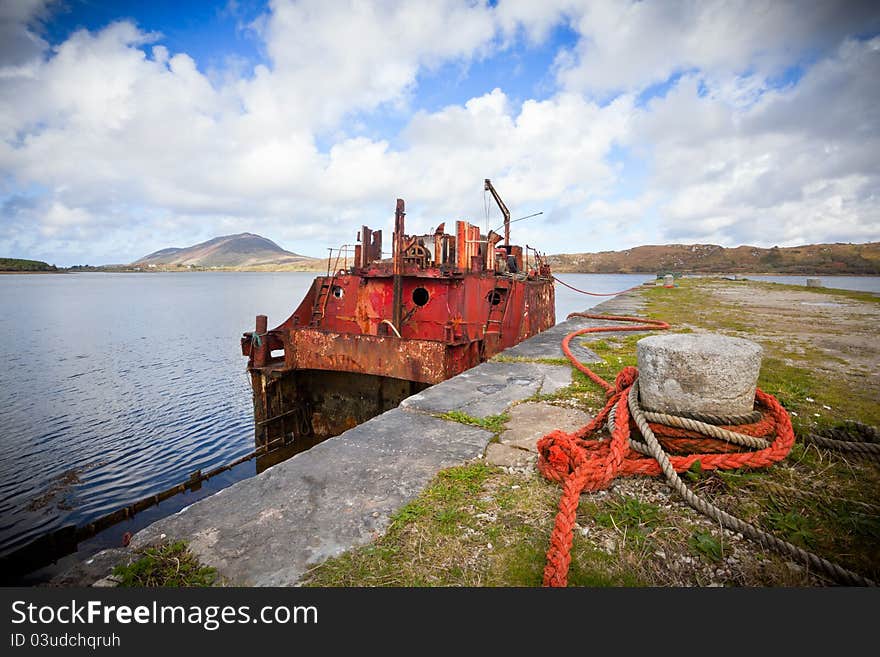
<point x="128" y="127"/>
<point x="209" y="31"/>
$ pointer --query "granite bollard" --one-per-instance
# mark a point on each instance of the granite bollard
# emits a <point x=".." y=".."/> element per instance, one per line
<point x="698" y="373"/>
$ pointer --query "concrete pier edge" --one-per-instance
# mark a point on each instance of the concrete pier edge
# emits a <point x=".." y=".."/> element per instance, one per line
<point x="270" y="529"/>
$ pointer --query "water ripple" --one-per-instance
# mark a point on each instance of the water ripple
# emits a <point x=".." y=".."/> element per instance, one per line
<point x="126" y="385"/>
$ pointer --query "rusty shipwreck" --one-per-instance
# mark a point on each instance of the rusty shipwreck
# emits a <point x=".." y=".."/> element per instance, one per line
<point x="374" y="331"/>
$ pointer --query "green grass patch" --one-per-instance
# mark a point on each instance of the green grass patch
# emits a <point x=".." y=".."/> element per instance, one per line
<point x="473" y="525"/>
<point x="456" y="533"/>
<point x="817" y="402"/>
<point x="815" y="499"/>
<point x="581" y="389"/>
<point x="704" y="544"/>
<point x="593" y="567"/>
<point x="169" y="564"/>
<point x="615" y="353"/>
<point x="793" y="527"/>
<point x="629" y="512"/>
<point x="493" y="423"/>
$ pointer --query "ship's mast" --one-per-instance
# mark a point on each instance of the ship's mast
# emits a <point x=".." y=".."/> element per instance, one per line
<point x="488" y="187"/>
<point x="397" y="255"/>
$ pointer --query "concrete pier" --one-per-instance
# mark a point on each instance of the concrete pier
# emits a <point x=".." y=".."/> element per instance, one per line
<point x="270" y="529"/>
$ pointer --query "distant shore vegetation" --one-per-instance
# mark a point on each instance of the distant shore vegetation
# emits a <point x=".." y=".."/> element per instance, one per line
<point x="828" y="259"/>
<point x="16" y="264"/>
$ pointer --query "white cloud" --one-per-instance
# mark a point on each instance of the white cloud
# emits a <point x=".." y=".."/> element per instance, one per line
<point x="535" y="19"/>
<point x="59" y="218"/>
<point x="112" y="145"/>
<point x="798" y="165"/>
<point x="547" y="155"/>
<point x="329" y="59"/>
<point x="628" y="45"/>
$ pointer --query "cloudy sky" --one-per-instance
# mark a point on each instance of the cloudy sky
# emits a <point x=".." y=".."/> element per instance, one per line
<point x="126" y="127"/>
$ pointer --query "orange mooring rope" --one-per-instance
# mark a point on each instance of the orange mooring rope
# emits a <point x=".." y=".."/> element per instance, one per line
<point x="597" y="294"/>
<point x="581" y="463"/>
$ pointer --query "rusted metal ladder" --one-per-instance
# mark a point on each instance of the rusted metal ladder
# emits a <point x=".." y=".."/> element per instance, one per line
<point x="326" y="288"/>
<point x="321" y="301"/>
<point x="497" y="311"/>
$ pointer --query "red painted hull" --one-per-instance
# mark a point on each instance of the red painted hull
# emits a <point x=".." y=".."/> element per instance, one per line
<point x="454" y="328"/>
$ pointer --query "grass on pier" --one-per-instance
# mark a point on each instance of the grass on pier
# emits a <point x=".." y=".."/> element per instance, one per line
<point x="171" y="564"/>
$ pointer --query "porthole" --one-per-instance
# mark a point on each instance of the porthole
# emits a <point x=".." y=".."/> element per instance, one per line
<point x="338" y="292"/>
<point x="420" y="296"/>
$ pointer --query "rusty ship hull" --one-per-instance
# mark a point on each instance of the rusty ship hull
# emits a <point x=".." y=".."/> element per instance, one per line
<point x="372" y="332"/>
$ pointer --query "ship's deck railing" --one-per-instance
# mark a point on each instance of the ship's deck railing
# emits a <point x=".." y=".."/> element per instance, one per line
<point x="341" y="253"/>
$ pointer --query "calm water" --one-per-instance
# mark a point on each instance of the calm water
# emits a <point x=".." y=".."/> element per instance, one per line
<point x="118" y="386"/>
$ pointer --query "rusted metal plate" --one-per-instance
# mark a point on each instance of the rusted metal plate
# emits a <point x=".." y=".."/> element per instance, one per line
<point x="412" y="360"/>
<point x="442" y="313"/>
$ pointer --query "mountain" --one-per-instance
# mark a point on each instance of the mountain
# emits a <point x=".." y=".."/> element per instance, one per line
<point x="711" y="258"/>
<point x="242" y="251"/>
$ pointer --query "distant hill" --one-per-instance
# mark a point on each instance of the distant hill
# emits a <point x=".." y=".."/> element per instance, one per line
<point x="15" y="264"/>
<point x="711" y="258"/>
<point x="242" y="251"/>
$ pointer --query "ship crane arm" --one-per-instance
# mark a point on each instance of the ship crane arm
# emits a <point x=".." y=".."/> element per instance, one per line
<point x="488" y="187"/>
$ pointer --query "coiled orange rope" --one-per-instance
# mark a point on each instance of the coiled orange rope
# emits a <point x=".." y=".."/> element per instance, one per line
<point x="581" y="462"/>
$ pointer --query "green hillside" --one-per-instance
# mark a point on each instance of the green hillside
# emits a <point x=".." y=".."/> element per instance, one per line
<point x="16" y="264"/>
<point x="711" y="258"/>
